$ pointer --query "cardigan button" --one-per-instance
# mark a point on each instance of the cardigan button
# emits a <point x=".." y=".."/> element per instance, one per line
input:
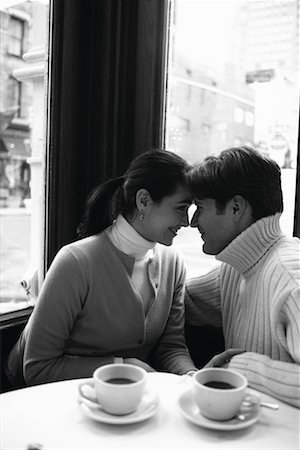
<point x="140" y="341"/>
<point x="156" y="285"/>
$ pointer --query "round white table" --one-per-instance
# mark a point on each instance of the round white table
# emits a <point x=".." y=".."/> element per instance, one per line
<point x="50" y="415"/>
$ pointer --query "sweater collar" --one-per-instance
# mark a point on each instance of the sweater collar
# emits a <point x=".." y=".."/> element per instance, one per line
<point x="248" y="248"/>
<point x="128" y="240"/>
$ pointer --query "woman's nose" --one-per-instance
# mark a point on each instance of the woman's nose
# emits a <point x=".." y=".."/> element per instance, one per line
<point x="185" y="220"/>
<point x="194" y="221"/>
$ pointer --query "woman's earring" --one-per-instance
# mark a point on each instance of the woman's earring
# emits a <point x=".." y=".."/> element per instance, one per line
<point x="142" y="216"/>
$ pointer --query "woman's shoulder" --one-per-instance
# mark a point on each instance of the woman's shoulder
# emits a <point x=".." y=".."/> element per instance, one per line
<point x="86" y="247"/>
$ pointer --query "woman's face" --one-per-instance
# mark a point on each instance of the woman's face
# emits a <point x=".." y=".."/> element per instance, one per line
<point x="162" y="220"/>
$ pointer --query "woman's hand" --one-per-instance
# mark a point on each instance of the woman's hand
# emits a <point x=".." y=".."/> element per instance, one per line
<point x="222" y="359"/>
<point x="139" y="363"/>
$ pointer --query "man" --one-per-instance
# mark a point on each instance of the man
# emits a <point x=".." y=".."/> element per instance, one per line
<point x="254" y="295"/>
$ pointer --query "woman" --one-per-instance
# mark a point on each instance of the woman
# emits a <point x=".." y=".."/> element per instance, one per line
<point x="117" y="292"/>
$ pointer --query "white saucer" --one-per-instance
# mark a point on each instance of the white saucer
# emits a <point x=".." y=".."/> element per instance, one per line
<point x="190" y="411"/>
<point x="146" y="409"/>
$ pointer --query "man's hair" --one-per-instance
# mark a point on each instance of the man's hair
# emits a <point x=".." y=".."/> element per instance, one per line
<point x="240" y="171"/>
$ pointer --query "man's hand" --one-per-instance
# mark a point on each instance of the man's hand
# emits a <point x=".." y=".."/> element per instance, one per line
<point x="222" y="359"/>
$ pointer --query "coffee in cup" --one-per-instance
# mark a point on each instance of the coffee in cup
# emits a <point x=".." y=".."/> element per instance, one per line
<point x="219" y="393"/>
<point x="119" y="388"/>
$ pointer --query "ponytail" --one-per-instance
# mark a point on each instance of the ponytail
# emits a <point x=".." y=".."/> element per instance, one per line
<point x="103" y="205"/>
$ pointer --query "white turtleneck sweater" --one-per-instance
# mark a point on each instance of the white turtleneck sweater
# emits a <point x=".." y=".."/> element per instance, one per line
<point x="130" y="242"/>
<point x="255" y="296"/>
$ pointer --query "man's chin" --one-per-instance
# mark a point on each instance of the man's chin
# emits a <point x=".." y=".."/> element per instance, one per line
<point x="207" y="250"/>
<point x="167" y="243"/>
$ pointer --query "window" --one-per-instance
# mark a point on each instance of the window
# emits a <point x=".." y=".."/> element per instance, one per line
<point x="238" y="115"/>
<point x="24" y="28"/>
<point x="14" y="94"/>
<point x="245" y="97"/>
<point x="16" y="35"/>
<point x="249" y="118"/>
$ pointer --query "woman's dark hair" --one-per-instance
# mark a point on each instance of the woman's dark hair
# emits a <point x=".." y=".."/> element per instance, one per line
<point x="240" y="171"/>
<point x="160" y="172"/>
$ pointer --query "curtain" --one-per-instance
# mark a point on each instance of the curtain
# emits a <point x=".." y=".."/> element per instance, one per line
<point x="106" y="89"/>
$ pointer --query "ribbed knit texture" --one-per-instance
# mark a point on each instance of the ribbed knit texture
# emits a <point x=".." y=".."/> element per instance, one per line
<point x="255" y="295"/>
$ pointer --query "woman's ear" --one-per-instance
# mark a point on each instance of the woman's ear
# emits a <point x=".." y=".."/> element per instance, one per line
<point x="143" y="200"/>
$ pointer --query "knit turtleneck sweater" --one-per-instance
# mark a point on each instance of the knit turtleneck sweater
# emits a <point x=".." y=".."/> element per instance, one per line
<point x="255" y="296"/>
<point x="130" y="242"/>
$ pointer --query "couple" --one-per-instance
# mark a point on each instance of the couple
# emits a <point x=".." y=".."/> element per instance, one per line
<point x="119" y="291"/>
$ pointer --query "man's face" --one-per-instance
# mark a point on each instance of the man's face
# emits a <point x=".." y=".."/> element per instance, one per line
<point x="217" y="228"/>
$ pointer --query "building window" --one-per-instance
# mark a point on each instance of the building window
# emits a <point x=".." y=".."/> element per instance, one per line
<point x="238" y="114"/>
<point x="16" y="36"/>
<point x="205" y="130"/>
<point x="237" y="142"/>
<point x="249" y="118"/>
<point x="14" y="95"/>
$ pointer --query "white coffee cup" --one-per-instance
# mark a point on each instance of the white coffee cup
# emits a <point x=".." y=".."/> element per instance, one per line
<point x="119" y="388"/>
<point x="219" y="393"/>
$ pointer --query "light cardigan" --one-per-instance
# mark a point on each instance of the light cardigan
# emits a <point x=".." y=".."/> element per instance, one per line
<point x="88" y="312"/>
<point x="255" y="296"/>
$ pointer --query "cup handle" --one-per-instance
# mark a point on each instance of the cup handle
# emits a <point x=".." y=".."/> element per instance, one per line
<point x="251" y="402"/>
<point x="83" y="394"/>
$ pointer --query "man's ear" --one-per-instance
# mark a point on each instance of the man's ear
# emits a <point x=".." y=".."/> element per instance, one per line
<point x="239" y="206"/>
<point x="241" y="212"/>
<point x="143" y="200"/>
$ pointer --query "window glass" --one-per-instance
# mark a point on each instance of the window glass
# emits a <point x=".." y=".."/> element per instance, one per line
<point x="23" y="74"/>
<point x="14" y="94"/>
<point x="238" y="115"/>
<point x="16" y="27"/>
<point x="241" y="59"/>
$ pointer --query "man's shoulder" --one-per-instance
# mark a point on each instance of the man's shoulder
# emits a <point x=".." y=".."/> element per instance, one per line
<point x="286" y="255"/>
<point x="287" y="248"/>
